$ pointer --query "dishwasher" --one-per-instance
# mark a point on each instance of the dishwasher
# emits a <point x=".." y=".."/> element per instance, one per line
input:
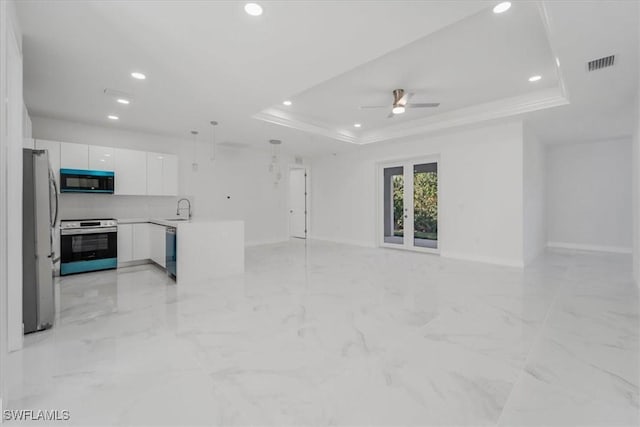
<point x="171" y="252"/>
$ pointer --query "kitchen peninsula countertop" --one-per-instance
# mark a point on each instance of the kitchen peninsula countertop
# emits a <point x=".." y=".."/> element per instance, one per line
<point x="206" y="248"/>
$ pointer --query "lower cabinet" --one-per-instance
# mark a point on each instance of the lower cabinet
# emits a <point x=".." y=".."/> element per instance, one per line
<point x="134" y="242"/>
<point x="141" y="241"/>
<point x="125" y="242"/>
<point x="158" y="244"/>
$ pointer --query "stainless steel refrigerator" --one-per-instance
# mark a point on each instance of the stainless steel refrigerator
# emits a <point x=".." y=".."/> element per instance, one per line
<point x="39" y="216"/>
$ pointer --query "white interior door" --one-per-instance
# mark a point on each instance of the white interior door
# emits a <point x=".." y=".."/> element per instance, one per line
<point x="409" y="205"/>
<point x="298" y="203"/>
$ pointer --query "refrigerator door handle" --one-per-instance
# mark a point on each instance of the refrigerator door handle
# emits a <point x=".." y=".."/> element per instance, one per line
<point x="55" y="193"/>
<point x="54" y="186"/>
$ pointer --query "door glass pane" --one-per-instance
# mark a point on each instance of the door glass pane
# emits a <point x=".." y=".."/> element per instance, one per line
<point x="394" y="205"/>
<point x="425" y="205"/>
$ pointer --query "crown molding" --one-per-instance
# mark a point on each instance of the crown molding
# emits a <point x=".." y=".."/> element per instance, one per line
<point x="278" y="117"/>
<point x="506" y="107"/>
<point x="502" y="108"/>
<point x="547" y="24"/>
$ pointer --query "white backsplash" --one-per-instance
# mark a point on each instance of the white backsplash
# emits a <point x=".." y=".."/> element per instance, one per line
<point x="85" y="206"/>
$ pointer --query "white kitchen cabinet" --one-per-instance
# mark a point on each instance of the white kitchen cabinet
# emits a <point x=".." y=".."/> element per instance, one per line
<point x="74" y="156"/>
<point x="130" y="168"/>
<point x="125" y="242"/>
<point x="170" y="175"/>
<point x="134" y="242"/>
<point x="158" y="244"/>
<point x="162" y="174"/>
<point x="154" y="174"/>
<point x="141" y="241"/>
<point x="53" y="147"/>
<point x="137" y="173"/>
<point x="101" y="158"/>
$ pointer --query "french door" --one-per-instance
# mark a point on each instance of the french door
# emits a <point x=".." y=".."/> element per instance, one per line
<point x="409" y="205"/>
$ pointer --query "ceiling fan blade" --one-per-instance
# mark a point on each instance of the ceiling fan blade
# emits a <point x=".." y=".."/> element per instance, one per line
<point x="405" y="99"/>
<point x="424" y="105"/>
<point x="364" y="107"/>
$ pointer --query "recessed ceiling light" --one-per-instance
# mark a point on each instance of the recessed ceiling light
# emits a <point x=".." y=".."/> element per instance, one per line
<point x="502" y="7"/>
<point x="287" y="103"/>
<point x="123" y="101"/>
<point x="534" y="78"/>
<point x="357" y="125"/>
<point x="137" y="75"/>
<point x="398" y="109"/>
<point x="113" y="117"/>
<point x="253" y="9"/>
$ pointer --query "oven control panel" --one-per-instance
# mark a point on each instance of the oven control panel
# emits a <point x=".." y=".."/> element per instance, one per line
<point x="88" y="223"/>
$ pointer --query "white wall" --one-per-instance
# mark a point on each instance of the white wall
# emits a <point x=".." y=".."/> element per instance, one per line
<point x="636" y="181"/>
<point x="27" y="127"/>
<point x="14" y="182"/>
<point x="636" y="193"/>
<point x="481" y="178"/>
<point x="534" y="196"/>
<point x="237" y="185"/>
<point x="10" y="188"/>
<point x="589" y="195"/>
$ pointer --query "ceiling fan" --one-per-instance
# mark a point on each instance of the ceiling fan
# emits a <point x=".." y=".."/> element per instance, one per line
<point x="401" y="103"/>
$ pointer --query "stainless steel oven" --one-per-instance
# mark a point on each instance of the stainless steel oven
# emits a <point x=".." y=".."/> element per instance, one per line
<point x="88" y="245"/>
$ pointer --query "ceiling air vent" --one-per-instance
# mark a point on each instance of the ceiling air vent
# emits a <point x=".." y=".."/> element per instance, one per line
<point x="599" y="63"/>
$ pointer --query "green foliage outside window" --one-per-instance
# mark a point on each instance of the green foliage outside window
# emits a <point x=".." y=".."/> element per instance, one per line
<point x="425" y="209"/>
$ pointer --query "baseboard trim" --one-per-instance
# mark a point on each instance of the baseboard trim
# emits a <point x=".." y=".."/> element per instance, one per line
<point x="506" y="262"/>
<point x="343" y="242"/>
<point x="453" y="255"/>
<point x="590" y="248"/>
<point x="534" y="256"/>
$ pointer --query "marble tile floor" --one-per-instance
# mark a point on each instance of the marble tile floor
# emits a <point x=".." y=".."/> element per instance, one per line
<point x="328" y="334"/>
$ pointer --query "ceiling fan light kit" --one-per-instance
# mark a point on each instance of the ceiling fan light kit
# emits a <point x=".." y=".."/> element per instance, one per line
<point x="398" y="109"/>
<point x="401" y="103"/>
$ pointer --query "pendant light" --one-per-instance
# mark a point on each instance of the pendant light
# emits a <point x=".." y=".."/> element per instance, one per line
<point x="213" y="139"/>
<point x="274" y="166"/>
<point x="194" y="165"/>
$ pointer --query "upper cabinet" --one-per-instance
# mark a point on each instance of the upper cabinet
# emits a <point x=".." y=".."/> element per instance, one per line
<point x="74" y="156"/>
<point x="154" y="174"/>
<point x="137" y="173"/>
<point x="101" y="158"/>
<point x="130" y="167"/>
<point x="83" y="156"/>
<point x="162" y="174"/>
<point x="170" y="175"/>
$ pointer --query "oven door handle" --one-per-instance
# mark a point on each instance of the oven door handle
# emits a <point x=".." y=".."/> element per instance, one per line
<point x="77" y="231"/>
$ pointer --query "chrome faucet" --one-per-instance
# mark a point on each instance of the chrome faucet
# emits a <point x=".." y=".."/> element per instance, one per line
<point x="188" y="207"/>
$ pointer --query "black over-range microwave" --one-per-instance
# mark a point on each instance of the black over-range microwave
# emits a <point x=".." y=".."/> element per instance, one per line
<point x="86" y="181"/>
